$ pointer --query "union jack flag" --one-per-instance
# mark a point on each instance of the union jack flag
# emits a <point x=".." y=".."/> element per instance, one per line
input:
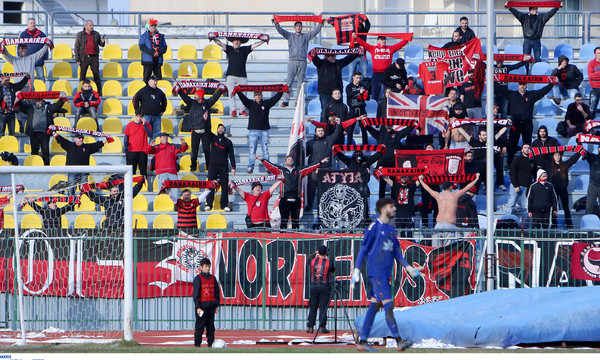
<point x="430" y="111"/>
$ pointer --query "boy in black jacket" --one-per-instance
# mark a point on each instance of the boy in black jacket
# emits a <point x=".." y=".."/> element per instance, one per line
<point x="221" y="150"/>
<point x="356" y="98"/>
<point x="541" y="200"/>
<point x="207" y="298"/>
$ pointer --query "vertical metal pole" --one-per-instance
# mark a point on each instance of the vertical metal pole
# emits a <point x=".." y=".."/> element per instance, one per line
<point x="489" y="186"/>
<point x="128" y="259"/>
<point x="17" y="263"/>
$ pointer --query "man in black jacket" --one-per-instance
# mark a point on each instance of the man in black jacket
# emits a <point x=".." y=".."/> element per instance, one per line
<point x="221" y="155"/>
<point x="258" y="124"/>
<point x="521" y="175"/>
<point x="356" y="98"/>
<point x="39" y="118"/>
<point x="569" y="78"/>
<point x="500" y="68"/>
<point x="456" y="40"/>
<point x="521" y="104"/>
<point x="395" y="76"/>
<point x="466" y="33"/>
<point x="329" y="75"/>
<point x="466" y="210"/>
<point x="154" y="102"/>
<point x="199" y="123"/>
<point x="51" y="213"/>
<point x="533" y="28"/>
<point x="8" y="92"/>
<point x="543" y="140"/>
<point x="541" y="201"/>
<point x="114" y="205"/>
<point x="336" y="104"/>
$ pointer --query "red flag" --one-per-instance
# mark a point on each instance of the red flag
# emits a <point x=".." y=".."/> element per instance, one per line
<point x="460" y="58"/>
<point x="585" y="261"/>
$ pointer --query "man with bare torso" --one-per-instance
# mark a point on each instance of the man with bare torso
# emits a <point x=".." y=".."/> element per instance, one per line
<point x="447" y="204"/>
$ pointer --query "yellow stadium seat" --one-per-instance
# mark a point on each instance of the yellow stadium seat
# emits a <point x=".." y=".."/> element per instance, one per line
<point x="33" y="160"/>
<point x="58" y="160"/>
<point x="163" y="202"/>
<point x="62" y="121"/>
<point x="214" y="124"/>
<point x="27" y="148"/>
<point x="167" y="70"/>
<point x="169" y="109"/>
<point x="166" y="125"/>
<point x="92" y="83"/>
<point x="55" y="179"/>
<point x="145" y="186"/>
<point x="190" y="177"/>
<point x="212" y="70"/>
<point x="89" y="140"/>
<point x="187" y="52"/>
<point x="112" y="125"/>
<point x="31" y="221"/>
<point x="112" y="106"/>
<point x="216" y="221"/>
<point x="163" y="221"/>
<point x="39" y="85"/>
<point x="140" y="221"/>
<point x="87" y="123"/>
<point x="168" y="55"/>
<point x="140" y="203"/>
<point x="84" y="221"/>
<point x="112" y="88"/>
<point x="12" y="49"/>
<point x="165" y="86"/>
<point x="67" y="106"/>
<point x="112" y="52"/>
<point x="114" y="147"/>
<point x="135" y="70"/>
<point x="185" y="162"/>
<point x="63" y="85"/>
<point x="9" y="221"/>
<point x="92" y="161"/>
<point x="219" y="106"/>
<point x="62" y="70"/>
<point x="188" y="69"/>
<point x="62" y="52"/>
<point x="8" y="68"/>
<point x="134" y="52"/>
<point x="212" y="52"/>
<point x="112" y="70"/>
<point x="130" y="108"/>
<point x="134" y="86"/>
<point x="88" y="73"/>
<point x="9" y="143"/>
<point x="55" y="147"/>
<point x="64" y="222"/>
<point x="85" y="204"/>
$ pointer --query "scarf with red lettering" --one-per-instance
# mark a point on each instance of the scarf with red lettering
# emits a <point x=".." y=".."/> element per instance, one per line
<point x="21" y="74"/>
<point x="591" y="125"/>
<point x="477" y="122"/>
<point x="236" y="183"/>
<point x="67" y="199"/>
<point x="252" y="88"/>
<point x="536" y="151"/>
<point x="339" y="148"/>
<point x="324" y="51"/>
<point x="243" y="36"/>
<point x="586" y="139"/>
<point x="9" y="188"/>
<point x="511" y="57"/>
<point x="16" y="41"/>
<point x="399" y="172"/>
<point x="107" y="184"/>
<point x="544" y="79"/>
<point x="439" y="179"/>
<point x="168" y="184"/>
<point x="399" y="36"/>
<point x="390" y="122"/>
<point x="548" y="4"/>
<point x="81" y="131"/>
<point x="38" y="95"/>
<point x="294" y="18"/>
<point x="191" y="84"/>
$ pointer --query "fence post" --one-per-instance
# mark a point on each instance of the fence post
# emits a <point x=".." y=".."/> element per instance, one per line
<point x="264" y="281"/>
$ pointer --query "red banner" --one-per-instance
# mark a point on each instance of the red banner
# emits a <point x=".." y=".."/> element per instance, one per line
<point x="549" y="4"/>
<point x="539" y="79"/>
<point x="585" y="261"/>
<point x="437" y="162"/>
<point x="511" y="57"/>
<point x="460" y="58"/>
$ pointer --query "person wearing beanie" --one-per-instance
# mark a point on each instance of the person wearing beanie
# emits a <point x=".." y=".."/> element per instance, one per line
<point x="257" y="203"/>
<point x="541" y="201"/>
<point x="153" y="46"/>
<point x="395" y="76"/>
<point x="543" y="140"/>
<point x="569" y="78"/>
<point x="322" y="280"/>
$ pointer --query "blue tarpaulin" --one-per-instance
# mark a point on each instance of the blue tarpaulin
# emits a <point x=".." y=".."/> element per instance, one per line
<point x="501" y="318"/>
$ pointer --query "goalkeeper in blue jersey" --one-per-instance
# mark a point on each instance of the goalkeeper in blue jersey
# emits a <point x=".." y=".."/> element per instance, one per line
<point x="380" y="247"/>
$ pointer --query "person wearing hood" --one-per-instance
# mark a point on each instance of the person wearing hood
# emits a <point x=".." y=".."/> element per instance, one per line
<point x="541" y="201"/>
<point x="395" y="76"/>
<point x="361" y="163"/>
<point x="153" y="46"/>
<point x="569" y="79"/>
<point x="221" y="156"/>
<point x="87" y="101"/>
<point x="87" y="52"/>
<point x="543" y="140"/>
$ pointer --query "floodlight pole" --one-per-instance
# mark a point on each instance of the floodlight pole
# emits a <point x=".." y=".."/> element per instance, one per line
<point x="489" y="168"/>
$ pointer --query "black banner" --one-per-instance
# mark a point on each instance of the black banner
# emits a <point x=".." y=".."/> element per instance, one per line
<point x="343" y="199"/>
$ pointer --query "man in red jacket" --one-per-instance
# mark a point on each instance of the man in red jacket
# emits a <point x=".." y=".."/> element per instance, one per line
<point x="594" y="74"/>
<point x="136" y="140"/>
<point x="86" y="101"/>
<point x="382" y="58"/>
<point x="165" y="159"/>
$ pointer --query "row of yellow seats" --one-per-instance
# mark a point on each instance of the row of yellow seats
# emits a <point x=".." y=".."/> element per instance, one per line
<point x="87" y="221"/>
<point x="114" y="52"/>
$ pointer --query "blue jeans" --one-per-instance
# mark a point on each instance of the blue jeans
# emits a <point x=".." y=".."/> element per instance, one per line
<point x="561" y="92"/>
<point x="594" y="97"/>
<point x="83" y="110"/>
<point x="253" y="139"/>
<point x="359" y="64"/>
<point x="7" y="120"/>
<point x="513" y="196"/>
<point x="325" y="99"/>
<point x="536" y="46"/>
<point x="154" y="121"/>
<point x="39" y="73"/>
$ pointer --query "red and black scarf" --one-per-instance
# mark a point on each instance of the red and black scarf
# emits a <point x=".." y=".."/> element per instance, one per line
<point x="107" y="184"/>
<point x="20" y="74"/>
<point x="295" y="18"/>
<point x="536" y="151"/>
<point x="511" y="57"/>
<point x="323" y="51"/>
<point x="169" y="184"/>
<point x="548" y="4"/>
<point x="591" y="125"/>
<point x="440" y="179"/>
<point x="543" y="79"/>
<point x="236" y="183"/>
<point x="9" y="188"/>
<point x="252" y="88"/>
<point x="339" y="148"/>
<point x="243" y="36"/>
<point x="81" y="131"/>
<point x="477" y="122"/>
<point x="16" y="41"/>
<point x="587" y="139"/>
<point x="390" y="122"/>
<point x="191" y="85"/>
<point x="386" y="171"/>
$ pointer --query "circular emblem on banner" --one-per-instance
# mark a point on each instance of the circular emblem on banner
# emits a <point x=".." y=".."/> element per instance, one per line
<point x="590" y="260"/>
<point x="341" y="207"/>
<point x="188" y="258"/>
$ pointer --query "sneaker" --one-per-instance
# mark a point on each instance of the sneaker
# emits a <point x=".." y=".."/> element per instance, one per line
<point x="250" y="170"/>
<point x="207" y="208"/>
<point x="502" y="188"/>
<point x="285" y="104"/>
<point x="323" y="330"/>
<point x="364" y="346"/>
<point x="244" y="113"/>
<point x="234" y="113"/>
<point x="309" y="330"/>
<point x="227" y="209"/>
<point x="402" y="344"/>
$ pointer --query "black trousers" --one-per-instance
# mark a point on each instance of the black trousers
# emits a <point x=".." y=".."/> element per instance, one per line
<point x="425" y="198"/>
<point x="40" y="140"/>
<point x="91" y="61"/>
<point x="563" y="196"/>
<point x="404" y="220"/>
<point x="311" y="188"/>
<point x="290" y="207"/>
<point x="206" y="321"/>
<point x="499" y="166"/>
<point x="524" y="129"/>
<point x="219" y="172"/>
<point x="382" y="184"/>
<point x="206" y="139"/>
<point x="319" y="299"/>
<point x="154" y="68"/>
<point x="540" y="219"/>
<point x="137" y="159"/>
<point x="356" y="112"/>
